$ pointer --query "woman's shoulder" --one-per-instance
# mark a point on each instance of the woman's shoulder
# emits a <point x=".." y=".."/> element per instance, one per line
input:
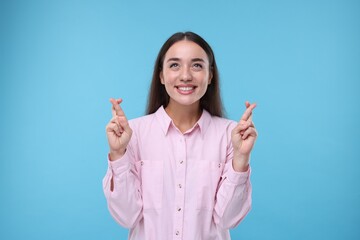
<point x="221" y="121"/>
<point x="142" y="120"/>
<point x="218" y="125"/>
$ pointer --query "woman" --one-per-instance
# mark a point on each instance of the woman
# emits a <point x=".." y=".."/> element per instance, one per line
<point x="182" y="171"/>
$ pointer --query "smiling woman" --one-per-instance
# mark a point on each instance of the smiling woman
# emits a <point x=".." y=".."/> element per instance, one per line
<point x="211" y="100"/>
<point x="186" y="72"/>
<point x="186" y="76"/>
<point x="182" y="171"/>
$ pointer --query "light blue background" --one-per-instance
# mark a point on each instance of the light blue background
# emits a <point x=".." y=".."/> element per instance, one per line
<point x="60" y="62"/>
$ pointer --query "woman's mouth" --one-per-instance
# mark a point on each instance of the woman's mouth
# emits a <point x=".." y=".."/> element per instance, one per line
<point x="185" y="90"/>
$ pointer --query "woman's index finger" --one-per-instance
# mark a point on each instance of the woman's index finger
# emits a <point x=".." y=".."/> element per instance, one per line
<point x="248" y="112"/>
<point x="116" y="109"/>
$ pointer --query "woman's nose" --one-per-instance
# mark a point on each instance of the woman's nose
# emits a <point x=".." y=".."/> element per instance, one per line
<point x="186" y="74"/>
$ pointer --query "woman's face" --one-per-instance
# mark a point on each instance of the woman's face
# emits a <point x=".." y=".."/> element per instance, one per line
<point x="185" y="73"/>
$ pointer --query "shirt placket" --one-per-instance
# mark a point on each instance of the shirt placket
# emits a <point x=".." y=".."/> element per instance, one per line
<point x="181" y="162"/>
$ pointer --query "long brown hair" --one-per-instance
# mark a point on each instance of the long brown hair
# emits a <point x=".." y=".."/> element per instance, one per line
<point x="211" y="101"/>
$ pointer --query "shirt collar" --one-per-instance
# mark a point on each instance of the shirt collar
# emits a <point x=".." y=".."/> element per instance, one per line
<point x="165" y="121"/>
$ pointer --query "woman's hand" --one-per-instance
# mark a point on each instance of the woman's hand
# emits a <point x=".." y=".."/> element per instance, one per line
<point x="243" y="138"/>
<point x="118" y="131"/>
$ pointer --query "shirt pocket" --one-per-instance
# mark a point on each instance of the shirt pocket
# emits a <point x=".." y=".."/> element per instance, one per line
<point x="151" y="183"/>
<point x="209" y="177"/>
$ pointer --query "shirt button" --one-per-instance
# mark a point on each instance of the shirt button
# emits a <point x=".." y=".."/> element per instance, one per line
<point x="180" y="186"/>
<point x="177" y="233"/>
<point x="179" y="209"/>
<point x="219" y="165"/>
<point x="142" y="163"/>
<point x="181" y="162"/>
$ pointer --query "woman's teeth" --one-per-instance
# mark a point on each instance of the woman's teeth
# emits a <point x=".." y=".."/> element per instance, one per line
<point x="185" y="88"/>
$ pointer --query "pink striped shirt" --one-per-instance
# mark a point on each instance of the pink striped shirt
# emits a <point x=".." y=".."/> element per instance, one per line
<point x="173" y="185"/>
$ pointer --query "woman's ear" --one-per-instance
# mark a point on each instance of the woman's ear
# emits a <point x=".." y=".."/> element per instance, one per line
<point x="210" y="77"/>
<point x="161" y="75"/>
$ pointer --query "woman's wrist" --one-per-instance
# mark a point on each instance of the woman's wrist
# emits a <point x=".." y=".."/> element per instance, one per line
<point x="240" y="162"/>
<point x="115" y="155"/>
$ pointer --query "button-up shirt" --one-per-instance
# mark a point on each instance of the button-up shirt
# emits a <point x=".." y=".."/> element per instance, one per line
<point x="174" y="185"/>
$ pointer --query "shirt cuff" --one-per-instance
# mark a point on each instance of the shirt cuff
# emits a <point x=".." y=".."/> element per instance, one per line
<point x="120" y="165"/>
<point x="238" y="178"/>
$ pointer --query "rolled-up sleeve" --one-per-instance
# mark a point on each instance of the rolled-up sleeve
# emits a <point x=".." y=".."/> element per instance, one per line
<point x="122" y="190"/>
<point x="233" y="198"/>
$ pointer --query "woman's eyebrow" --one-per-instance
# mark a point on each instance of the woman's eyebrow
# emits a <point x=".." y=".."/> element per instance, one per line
<point x="197" y="60"/>
<point x="193" y="60"/>
<point x="173" y="59"/>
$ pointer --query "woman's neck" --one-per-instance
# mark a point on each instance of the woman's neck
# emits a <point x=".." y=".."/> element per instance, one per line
<point x="184" y="117"/>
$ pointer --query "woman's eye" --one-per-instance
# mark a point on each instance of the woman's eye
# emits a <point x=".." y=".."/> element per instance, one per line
<point x="197" y="66"/>
<point x="174" y="65"/>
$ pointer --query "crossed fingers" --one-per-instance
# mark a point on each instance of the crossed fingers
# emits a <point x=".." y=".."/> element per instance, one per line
<point x="118" y="121"/>
<point x="248" y="112"/>
<point x="116" y="109"/>
<point x="246" y="126"/>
